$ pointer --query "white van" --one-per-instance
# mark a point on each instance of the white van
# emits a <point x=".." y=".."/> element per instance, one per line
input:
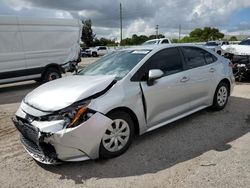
<point x="37" y="48"/>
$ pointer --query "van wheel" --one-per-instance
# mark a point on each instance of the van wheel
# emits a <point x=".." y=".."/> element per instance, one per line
<point x="51" y="74"/>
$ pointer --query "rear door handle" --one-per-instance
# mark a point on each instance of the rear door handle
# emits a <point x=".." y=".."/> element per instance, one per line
<point x="212" y="70"/>
<point x="184" y="79"/>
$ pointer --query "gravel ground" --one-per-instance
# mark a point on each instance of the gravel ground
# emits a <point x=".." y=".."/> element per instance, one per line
<point x="206" y="149"/>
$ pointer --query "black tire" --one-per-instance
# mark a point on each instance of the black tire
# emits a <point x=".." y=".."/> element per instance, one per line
<point x="103" y="152"/>
<point x="240" y="79"/>
<point x="94" y="54"/>
<point x="220" y="105"/>
<point x="51" y="74"/>
<point x="39" y="80"/>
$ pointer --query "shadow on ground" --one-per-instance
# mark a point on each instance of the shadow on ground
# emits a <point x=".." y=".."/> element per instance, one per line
<point x="168" y="146"/>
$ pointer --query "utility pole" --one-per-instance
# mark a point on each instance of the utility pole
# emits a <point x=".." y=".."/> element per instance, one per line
<point x="121" y="23"/>
<point x="157" y="30"/>
<point x="179" y="32"/>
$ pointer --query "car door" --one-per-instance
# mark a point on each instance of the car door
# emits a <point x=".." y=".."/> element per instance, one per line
<point x="199" y="76"/>
<point x="166" y="98"/>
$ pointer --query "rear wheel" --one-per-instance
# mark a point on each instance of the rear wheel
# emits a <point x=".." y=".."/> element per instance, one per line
<point x="51" y="74"/>
<point x="118" y="136"/>
<point x="221" y="96"/>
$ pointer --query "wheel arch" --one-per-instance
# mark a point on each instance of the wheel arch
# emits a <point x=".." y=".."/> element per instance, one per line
<point x="51" y="65"/>
<point x="132" y="115"/>
<point x="227" y="82"/>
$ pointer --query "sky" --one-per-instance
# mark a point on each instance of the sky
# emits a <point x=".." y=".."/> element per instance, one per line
<point x="141" y="16"/>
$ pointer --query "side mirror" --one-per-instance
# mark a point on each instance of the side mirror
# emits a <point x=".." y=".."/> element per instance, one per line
<point x="153" y="75"/>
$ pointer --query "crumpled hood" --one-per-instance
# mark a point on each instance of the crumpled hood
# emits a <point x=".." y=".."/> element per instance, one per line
<point x="237" y="49"/>
<point x="61" y="93"/>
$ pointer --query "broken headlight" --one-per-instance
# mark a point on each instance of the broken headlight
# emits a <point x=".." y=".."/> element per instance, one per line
<point x="73" y="115"/>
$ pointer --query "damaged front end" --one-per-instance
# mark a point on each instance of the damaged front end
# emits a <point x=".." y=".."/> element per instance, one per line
<point x="71" y="134"/>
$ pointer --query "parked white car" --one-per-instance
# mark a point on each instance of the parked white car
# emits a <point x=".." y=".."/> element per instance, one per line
<point x="97" y="51"/>
<point x="157" y="41"/>
<point x="126" y="93"/>
<point x="216" y="46"/>
<point x="241" y="49"/>
<point x="37" y="48"/>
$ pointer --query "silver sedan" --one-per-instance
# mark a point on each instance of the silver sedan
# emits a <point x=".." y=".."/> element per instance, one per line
<point x="97" y="113"/>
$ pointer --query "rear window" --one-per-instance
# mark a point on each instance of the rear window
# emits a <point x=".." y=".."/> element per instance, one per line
<point x="165" y="41"/>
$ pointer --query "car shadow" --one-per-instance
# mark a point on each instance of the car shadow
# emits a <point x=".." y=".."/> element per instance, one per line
<point x="167" y="146"/>
<point x="14" y="93"/>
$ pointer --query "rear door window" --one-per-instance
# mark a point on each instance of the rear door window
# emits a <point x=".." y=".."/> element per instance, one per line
<point x="195" y="57"/>
<point x="209" y="58"/>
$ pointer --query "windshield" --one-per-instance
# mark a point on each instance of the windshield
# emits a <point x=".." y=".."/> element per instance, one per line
<point x="118" y="63"/>
<point x="245" y="42"/>
<point x="150" y="42"/>
<point x="211" y="44"/>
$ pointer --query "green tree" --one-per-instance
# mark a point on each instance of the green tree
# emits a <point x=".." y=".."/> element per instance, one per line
<point x="203" y="35"/>
<point x="104" y="42"/>
<point x="154" y="36"/>
<point x="175" y="41"/>
<point x="196" y="34"/>
<point x="127" y="42"/>
<point x="233" y="38"/>
<point x="136" y="40"/>
<point x="87" y="33"/>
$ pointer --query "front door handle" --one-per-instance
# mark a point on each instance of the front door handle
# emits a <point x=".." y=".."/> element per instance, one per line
<point x="212" y="70"/>
<point x="184" y="79"/>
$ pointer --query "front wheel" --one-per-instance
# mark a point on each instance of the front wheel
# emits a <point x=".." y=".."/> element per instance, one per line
<point x="221" y="96"/>
<point x="118" y="136"/>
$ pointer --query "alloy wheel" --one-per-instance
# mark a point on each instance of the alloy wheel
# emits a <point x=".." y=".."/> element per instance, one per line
<point x="222" y="96"/>
<point x="116" y="136"/>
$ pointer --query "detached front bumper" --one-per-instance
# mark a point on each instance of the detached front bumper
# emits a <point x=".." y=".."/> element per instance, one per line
<point x="71" y="144"/>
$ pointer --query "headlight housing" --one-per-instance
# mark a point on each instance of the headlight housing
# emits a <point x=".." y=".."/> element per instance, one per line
<point x="73" y="115"/>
